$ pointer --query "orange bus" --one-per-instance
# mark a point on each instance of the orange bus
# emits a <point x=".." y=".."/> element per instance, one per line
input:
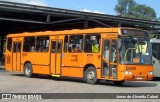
<point x="116" y="54"/>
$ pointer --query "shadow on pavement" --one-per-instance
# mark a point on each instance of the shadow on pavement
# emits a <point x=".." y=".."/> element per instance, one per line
<point x="131" y="84"/>
<point x="49" y="77"/>
<point x="101" y="82"/>
<point x="156" y="79"/>
<point x="2" y="68"/>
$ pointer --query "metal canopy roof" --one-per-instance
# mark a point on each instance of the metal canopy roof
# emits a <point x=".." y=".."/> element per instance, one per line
<point x="16" y="17"/>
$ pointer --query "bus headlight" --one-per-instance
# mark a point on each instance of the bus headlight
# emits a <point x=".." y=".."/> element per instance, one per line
<point x="150" y="72"/>
<point x="127" y="72"/>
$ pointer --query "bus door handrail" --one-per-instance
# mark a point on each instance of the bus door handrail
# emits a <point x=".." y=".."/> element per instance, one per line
<point x="127" y="52"/>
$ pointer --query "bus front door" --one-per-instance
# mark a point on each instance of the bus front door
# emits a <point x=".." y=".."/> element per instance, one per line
<point x="109" y="59"/>
<point x="56" y="53"/>
<point x="16" y="56"/>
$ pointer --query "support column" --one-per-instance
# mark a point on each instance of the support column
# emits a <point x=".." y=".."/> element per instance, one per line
<point x="85" y="23"/>
<point x="1" y="49"/>
<point x="119" y="24"/>
<point x="2" y="59"/>
<point x="48" y="18"/>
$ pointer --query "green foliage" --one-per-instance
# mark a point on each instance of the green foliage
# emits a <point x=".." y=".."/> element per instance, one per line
<point x="143" y="12"/>
<point x="123" y="8"/>
<point x="129" y="8"/>
<point x="156" y="36"/>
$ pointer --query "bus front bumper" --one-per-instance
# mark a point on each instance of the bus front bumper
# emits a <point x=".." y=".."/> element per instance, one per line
<point x="138" y="77"/>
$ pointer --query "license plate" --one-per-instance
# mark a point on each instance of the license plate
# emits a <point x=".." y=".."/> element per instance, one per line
<point x="139" y="78"/>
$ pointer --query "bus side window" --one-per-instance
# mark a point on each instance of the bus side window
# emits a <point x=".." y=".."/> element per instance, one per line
<point x="114" y="51"/>
<point x="29" y="43"/>
<point x="59" y="47"/>
<point x="76" y="43"/>
<point x="106" y="49"/>
<point x="19" y="47"/>
<point x="42" y="44"/>
<point x="9" y="44"/>
<point x="92" y="43"/>
<point x="65" y="43"/>
<point x="53" y="48"/>
<point x="156" y="50"/>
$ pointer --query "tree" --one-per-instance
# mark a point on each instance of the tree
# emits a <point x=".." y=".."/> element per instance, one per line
<point x="143" y="12"/>
<point x="123" y="8"/>
<point x="129" y="8"/>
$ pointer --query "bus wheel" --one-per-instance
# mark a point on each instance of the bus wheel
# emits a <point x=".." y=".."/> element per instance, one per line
<point x="118" y="82"/>
<point x="90" y="75"/>
<point x="28" y="70"/>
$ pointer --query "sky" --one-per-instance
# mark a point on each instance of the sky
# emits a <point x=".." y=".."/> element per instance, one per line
<point x="104" y="6"/>
<point x="97" y="6"/>
<point x="34" y="2"/>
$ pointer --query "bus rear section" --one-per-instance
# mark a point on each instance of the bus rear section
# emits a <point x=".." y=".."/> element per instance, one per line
<point x="156" y="56"/>
<point x="13" y="54"/>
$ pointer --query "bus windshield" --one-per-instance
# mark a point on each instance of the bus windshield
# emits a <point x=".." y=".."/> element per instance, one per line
<point x="135" y="50"/>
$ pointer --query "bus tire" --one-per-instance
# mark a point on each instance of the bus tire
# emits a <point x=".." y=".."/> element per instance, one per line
<point x="90" y="75"/>
<point x="118" y="82"/>
<point x="28" y="72"/>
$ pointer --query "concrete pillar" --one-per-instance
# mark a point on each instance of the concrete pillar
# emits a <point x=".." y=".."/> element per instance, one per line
<point x="119" y="24"/>
<point x="85" y="23"/>
<point x="2" y="50"/>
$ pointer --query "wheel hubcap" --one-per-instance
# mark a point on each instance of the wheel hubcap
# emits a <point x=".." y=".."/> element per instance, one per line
<point x="28" y="70"/>
<point x="91" y="75"/>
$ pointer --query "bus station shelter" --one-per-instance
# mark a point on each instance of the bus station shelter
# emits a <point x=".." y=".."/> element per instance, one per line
<point x="17" y="18"/>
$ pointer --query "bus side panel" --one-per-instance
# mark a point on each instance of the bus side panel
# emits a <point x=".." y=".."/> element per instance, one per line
<point x="14" y="61"/>
<point x="8" y="60"/>
<point x="41" y="69"/>
<point x="72" y="72"/>
<point x="22" y="67"/>
<point x="39" y="61"/>
<point x="36" y="69"/>
<point x="156" y="65"/>
<point x="98" y="73"/>
<point x="93" y="59"/>
<point x="72" y="64"/>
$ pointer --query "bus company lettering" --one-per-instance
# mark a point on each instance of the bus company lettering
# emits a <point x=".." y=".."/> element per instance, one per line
<point x="24" y="54"/>
<point x="112" y="35"/>
<point x="57" y="37"/>
<point x="130" y="68"/>
<point x="74" y="58"/>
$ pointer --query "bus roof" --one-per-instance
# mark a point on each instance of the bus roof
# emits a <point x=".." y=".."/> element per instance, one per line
<point x="74" y="31"/>
<point x="155" y="40"/>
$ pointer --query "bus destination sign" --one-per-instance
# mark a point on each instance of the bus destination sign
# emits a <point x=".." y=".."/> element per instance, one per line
<point x="133" y="32"/>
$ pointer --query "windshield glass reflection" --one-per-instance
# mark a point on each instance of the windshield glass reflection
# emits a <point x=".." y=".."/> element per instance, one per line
<point x="135" y="50"/>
